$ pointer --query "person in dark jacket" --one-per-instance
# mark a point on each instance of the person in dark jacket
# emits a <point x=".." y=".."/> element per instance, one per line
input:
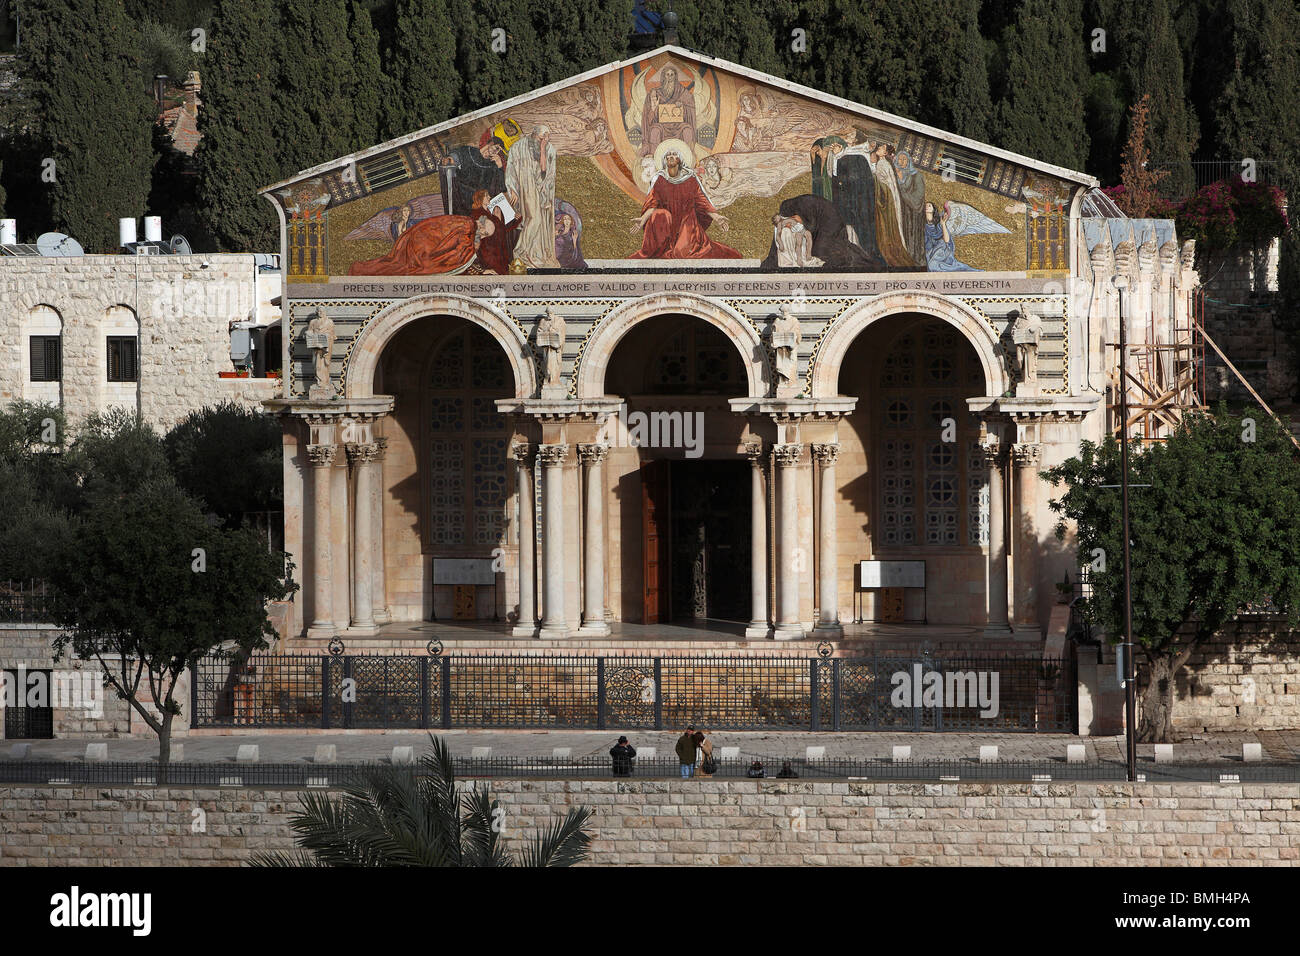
<point x="687" y="752"/>
<point x="787" y="771"/>
<point x="622" y="753"/>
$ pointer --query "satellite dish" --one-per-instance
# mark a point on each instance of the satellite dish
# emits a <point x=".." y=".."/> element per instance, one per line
<point x="181" y="246"/>
<point x="56" y="244"/>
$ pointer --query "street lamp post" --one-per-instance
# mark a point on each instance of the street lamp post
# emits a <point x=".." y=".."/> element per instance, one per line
<point x="1130" y="664"/>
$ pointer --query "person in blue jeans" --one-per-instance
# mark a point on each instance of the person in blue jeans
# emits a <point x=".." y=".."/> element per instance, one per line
<point x="687" y="752"/>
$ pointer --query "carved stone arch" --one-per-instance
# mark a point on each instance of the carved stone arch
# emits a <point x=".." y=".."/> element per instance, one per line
<point x="845" y="330"/>
<point x="379" y="331"/>
<point x="604" y="338"/>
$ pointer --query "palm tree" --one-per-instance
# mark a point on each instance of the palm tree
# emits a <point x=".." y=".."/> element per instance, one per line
<point x="398" y="816"/>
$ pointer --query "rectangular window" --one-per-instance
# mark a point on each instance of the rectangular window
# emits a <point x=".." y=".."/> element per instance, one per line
<point x="47" y="358"/>
<point x="122" y="364"/>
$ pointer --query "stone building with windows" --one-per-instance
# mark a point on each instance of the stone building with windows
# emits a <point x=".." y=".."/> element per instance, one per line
<point x="146" y="333"/>
<point x="676" y="341"/>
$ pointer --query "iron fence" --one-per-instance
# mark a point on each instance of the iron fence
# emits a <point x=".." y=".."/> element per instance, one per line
<point x="883" y="693"/>
<point x="25" y="602"/>
<point x="70" y="773"/>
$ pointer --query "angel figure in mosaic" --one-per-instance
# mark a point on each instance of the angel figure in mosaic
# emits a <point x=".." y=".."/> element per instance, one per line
<point x="944" y="225"/>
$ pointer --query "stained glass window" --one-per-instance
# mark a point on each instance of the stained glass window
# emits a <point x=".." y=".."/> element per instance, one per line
<point x="467" y="444"/>
<point x="933" y="488"/>
<point x="698" y="359"/>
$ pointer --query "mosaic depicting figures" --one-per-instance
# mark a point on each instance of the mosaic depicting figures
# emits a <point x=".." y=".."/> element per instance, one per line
<point x="670" y="159"/>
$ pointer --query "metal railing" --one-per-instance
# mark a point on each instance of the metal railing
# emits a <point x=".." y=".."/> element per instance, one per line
<point x="902" y="693"/>
<point x="24" y="602"/>
<point x="69" y="773"/>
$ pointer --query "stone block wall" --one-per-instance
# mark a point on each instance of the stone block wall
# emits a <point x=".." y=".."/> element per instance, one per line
<point x="714" y="823"/>
<point x="29" y="646"/>
<point x="1248" y="678"/>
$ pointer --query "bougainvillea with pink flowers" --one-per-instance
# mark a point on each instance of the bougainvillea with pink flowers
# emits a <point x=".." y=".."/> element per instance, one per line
<point x="1224" y="214"/>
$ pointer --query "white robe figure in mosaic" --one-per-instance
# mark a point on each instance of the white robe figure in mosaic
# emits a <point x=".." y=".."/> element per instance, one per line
<point x="530" y="186"/>
<point x="1026" y="334"/>
<point x="320" y="339"/>
<point x="550" y="341"/>
<point x="785" y="343"/>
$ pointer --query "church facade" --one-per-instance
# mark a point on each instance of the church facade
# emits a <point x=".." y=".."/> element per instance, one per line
<point x="676" y="341"/>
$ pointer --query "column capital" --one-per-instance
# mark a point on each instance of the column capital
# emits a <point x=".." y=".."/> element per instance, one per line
<point x="754" y="451"/>
<point x="1027" y="454"/>
<point x="826" y="453"/>
<point x="553" y="454"/>
<point x="787" y="454"/>
<point x="993" y="452"/>
<point x="523" y="452"/>
<point x="593" y="454"/>
<point x="322" y="456"/>
<point x="362" y="452"/>
<point x="381" y="447"/>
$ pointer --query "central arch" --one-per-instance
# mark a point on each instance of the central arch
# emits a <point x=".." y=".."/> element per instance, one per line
<point x="604" y="338"/>
<point x="842" y="333"/>
<point x="379" y="331"/>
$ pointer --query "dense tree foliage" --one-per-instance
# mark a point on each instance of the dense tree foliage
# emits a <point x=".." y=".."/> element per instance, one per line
<point x="1214" y="529"/>
<point x="143" y="582"/>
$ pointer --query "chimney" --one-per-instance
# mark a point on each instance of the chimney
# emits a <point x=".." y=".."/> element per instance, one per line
<point x="191" y="86"/>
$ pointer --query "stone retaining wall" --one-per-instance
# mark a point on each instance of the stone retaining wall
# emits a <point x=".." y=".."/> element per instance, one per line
<point x="1250" y="682"/>
<point x="727" y="823"/>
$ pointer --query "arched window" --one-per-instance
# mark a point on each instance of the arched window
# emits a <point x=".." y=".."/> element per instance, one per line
<point x="697" y="359"/>
<point x="932" y="479"/>
<point x="466" y="446"/>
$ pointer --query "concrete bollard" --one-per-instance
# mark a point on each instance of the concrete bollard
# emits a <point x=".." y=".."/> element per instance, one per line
<point x="20" y="751"/>
<point x="326" y="753"/>
<point x="988" y="753"/>
<point x="730" y="753"/>
<point x="481" y="753"/>
<point x="1164" y="753"/>
<point x="1076" y="753"/>
<point x="176" y="753"/>
<point x="96" y="753"/>
<point x="562" y="752"/>
<point x="403" y="755"/>
<point x="902" y="752"/>
<point x="248" y="753"/>
<point x="648" y="752"/>
<point x="815" y="753"/>
<point x="1252" y="753"/>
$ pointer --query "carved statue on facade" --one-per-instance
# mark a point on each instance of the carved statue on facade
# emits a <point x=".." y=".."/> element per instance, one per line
<point x="320" y="340"/>
<point x="1026" y="334"/>
<point x="785" y="343"/>
<point x="550" y="341"/>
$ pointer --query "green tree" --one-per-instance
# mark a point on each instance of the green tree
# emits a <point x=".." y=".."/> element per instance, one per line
<point x="314" y="108"/>
<point x="394" y="816"/>
<point x="369" y="84"/>
<point x="146" y="587"/>
<point x="1216" y="531"/>
<point x="424" y="85"/>
<point x="237" y="154"/>
<point x="1255" y="110"/>
<point x="228" y="456"/>
<point x="81" y="69"/>
<point x="1154" y="63"/>
<point x="1042" y="78"/>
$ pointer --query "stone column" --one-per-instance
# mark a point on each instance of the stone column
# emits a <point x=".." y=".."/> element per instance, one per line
<point x="787" y="576"/>
<point x="593" y="530"/>
<point x="1024" y="608"/>
<point x="322" y="470"/>
<point x="828" y="600"/>
<point x="379" y="582"/>
<point x="363" y="455"/>
<point x="758" y="624"/>
<point x="526" y="626"/>
<point x="553" y="624"/>
<point x="994" y="453"/>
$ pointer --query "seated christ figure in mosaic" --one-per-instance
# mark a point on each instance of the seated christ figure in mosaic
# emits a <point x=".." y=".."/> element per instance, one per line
<point x="677" y="214"/>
